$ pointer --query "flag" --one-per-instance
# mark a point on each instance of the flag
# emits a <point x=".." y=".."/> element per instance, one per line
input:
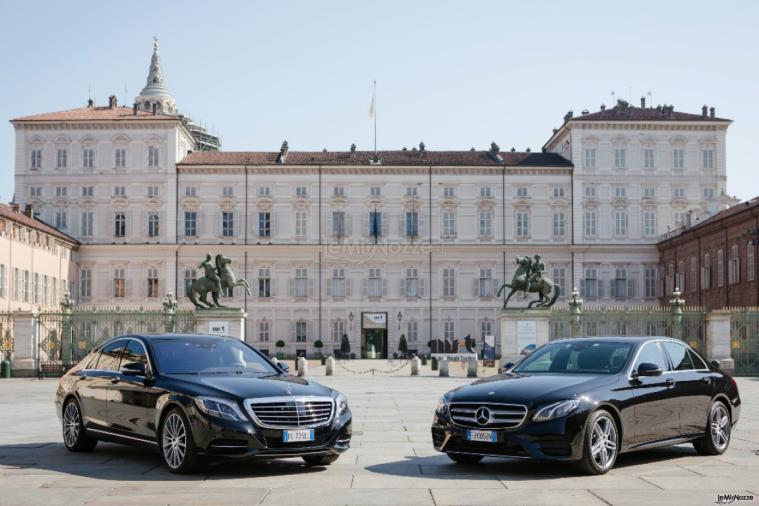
<point x="374" y="100"/>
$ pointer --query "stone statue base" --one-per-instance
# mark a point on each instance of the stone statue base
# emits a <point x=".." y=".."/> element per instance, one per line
<point x="226" y="321"/>
<point x="522" y="330"/>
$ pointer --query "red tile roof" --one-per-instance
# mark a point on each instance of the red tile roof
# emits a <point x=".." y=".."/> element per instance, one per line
<point x="626" y="112"/>
<point x="21" y="218"/>
<point x="388" y="158"/>
<point x="96" y="113"/>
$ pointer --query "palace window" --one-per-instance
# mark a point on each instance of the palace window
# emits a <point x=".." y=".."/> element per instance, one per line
<point x="411" y="282"/>
<point x="411" y="191"/>
<point x="264" y="282"/>
<point x="678" y="192"/>
<point x="750" y="263"/>
<point x="119" y="283"/>
<point x="300" y="223"/>
<point x="649" y="223"/>
<point x="590" y="192"/>
<point x="60" y="219"/>
<point x="559" y="278"/>
<point x="228" y="191"/>
<point x="678" y="218"/>
<point x="649" y="192"/>
<point x="449" y="330"/>
<point x="734" y="272"/>
<point x="374" y="283"/>
<point x="485" y="284"/>
<point x="190" y="191"/>
<point x="35" y="191"/>
<point x="449" y="282"/>
<point x="522" y="192"/>
<point x="412" y="331"/>
<point x="301" y="191"/>
<point x="87" y="220"/>
<point x="680" y="276"/>
<point x="190" y="275"/>
<point x="37" y="289"/>
<point x="708" y="193"/>
<point x="706" y="272"/>
<point x="648" y="158"/>
<point x="88" y="158"/>
<point x="558" y="224"/>
<point x="190" y="223"/>
<point x="620" y="192"/>
<point x="621" y="288"/>
<point x="486" y="329"/>
<point x="486" y="192"/>
<point x="375" y="191"/>
<point x="338" y="191"/>
<point x="591" y="285"/>
<point x="620" y="222"/>
<point x="678" y="158"/>
<point x="589" y="158"/>
<point x="301" y="282"/>
<point x="263" y="331"/>
<point x="120" y="155"/>
<point x="300" y="331"/>
<point x="338" y="223"/>
<point x="264" y="224"/>
<point x="61" y="191"/>
<point x="708" y="158"/>
<point x="227" y="224"/>
<point x="523" y="223"/>
<point x="16" y="284"/>
<point x="119" y="225"/>
<point x="651" y="279"/>
<point x="375" y="224"/>
<point x="338" y="282"/>
<point x="36" y="158"/>
<point x="486" y="224"/>
<point x="558" y="192"/>
<point x="3" y="281"/>
<point x="45" y="290"/>
<point x="152" y="282"/>
<point x="27" y="286"/>
<point x="448" y="192"/>
<point x="153" y="153"/>
<point x="412" y="223"/>
<point x="119" y="191"/>
<point x="590" y="223"/>
<point x="152" y="191"/>
<point x="62" y="158"/>
<point x="264" y="191"/>
<point x="338" y="329"/>
<point x="153" y="225"/>
<point x="88" y="191"/>
<point x="720" y="268"/>
<point x="693" y="274"/>
<point x="620" y="156"/>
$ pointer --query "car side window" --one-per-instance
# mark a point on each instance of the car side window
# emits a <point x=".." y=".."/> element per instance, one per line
<point x="680" y="357"/>
<point x="133" y="353"/>
<point x="698" y="362"/>
<point x="110" y="356"/>
<point x="652" y="353"/>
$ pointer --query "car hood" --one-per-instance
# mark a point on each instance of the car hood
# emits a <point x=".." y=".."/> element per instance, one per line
<point x="248" y="387"/>
<point x="530" y="389"/>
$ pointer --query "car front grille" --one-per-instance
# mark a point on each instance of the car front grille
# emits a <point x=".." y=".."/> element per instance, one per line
<point x="499" y="416"/>
<point x="291" y="412"/>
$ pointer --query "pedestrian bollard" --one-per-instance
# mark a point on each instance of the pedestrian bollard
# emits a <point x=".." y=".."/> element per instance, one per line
<point x="443" y="365"/>
<point x="330" y="363"/>
<point x="302" y="366"/>
<point x="415" y="364"/>
<point x="276" y="362"/>
<point x="471" y="371"/>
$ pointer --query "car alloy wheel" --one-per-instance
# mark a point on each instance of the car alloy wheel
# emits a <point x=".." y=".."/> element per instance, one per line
<point x="603" y="443"/>
<point x="174" y="440"/>
<point x="71" y="422"/>
<point x="720" y="427"/>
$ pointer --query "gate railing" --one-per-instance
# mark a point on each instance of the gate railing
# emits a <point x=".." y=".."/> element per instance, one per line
<point x="7" y="340"/>
<point x="744" y="339"/>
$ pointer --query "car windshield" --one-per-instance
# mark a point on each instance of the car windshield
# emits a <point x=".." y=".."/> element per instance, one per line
<point x="208" y="355"/>
<point x="586" y="357"/>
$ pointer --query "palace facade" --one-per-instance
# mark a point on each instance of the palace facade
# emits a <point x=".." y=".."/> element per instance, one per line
<point x="335" y="242"/>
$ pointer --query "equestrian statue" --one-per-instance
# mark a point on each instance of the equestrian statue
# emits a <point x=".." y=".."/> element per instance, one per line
<point x="529" y="278"/>
<point x="218" y="276"/>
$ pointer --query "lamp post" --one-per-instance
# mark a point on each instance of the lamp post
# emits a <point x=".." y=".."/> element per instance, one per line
<point x="400" y="317"/>
<point x="350" y="319"/>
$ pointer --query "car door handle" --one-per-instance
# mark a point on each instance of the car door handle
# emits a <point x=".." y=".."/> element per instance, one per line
<point x="706" y="379"/>
<point x="669" y="382"/>
<point x="115" y="379"/>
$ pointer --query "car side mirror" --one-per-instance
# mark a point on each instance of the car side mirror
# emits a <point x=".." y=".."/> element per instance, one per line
<point x="508" y="365"/>
<point x="133" y="369"/>
<point x="283" y="367"/>
<point x="648" y="369"/>
<point x="715" y="364"/>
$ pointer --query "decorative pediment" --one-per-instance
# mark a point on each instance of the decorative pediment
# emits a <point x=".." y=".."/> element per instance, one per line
<point x="679" y="202"/>
<point x="153" y="203"/>
<point x="120" y="139"/>
<point x="87" y="202"/>
<point x="228" y="204"/>
<point x="649" y="204"/>
<point x="301" y="203"/>
<point x="61" y="202"/>
<point x="619" y="139"/>
<point x="486" y="205"/>
<point x="590" y="202"/>
<point x="191" y="202"/>
<point x="619" y="202"/>
<point x="374" y="201"/>
<point x="88" y="139"/>
<point x="449" y="202"/>
<point x="62" y="139"/>
<point x="522" y="202"/>
<point x="588" y="140"/>
<point x="36" y="140"/>
<point x="648" y="141"/>
<point x="119" y="202"/>
<point x="678" y="140"/>
<point x="154" y="139"/>
<point x="559" y="202"/>
<point x="338" y="200"/>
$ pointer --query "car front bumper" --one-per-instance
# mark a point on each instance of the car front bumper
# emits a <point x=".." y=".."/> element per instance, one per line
<point x="223" y="438"/>
<point x="559" y="440"/>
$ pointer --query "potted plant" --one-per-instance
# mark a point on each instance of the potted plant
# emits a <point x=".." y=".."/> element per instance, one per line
<point x="403" y="345"/>
<point x="345" y="346"/>
<point x="318" y="344"/>
<point x="280" y="344"/>
<point x="433" y="366"/>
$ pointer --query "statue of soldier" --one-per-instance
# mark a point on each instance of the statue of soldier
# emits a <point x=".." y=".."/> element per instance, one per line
<point x="210" y="269"/>
<point x="536" y="272"/>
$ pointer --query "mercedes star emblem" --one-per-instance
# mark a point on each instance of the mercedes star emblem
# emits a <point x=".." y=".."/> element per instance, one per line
<point x="482" y="416"/>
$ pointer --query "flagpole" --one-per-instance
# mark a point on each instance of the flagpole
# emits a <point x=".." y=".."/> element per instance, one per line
<point x="375" y="118"/>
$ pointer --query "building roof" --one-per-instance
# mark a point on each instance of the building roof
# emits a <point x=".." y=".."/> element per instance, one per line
<point x="624" y="111"/>
<point x="748" y="206"/>
<point x="97" y="113"/>
<point x="388" y="158"/>
<point x="22" y="218"/>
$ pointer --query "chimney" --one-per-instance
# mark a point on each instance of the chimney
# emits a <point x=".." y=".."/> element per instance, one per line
<point x="703" y="111"/>
<point x="112" y="102"/>
<point x="568" y="116"/>
<point x="353" y="148"/>
<point x="642" y="102"/>
<point x="421" y="146"/>
<point x="603" y="107"/>
<point x="711" y="112"/>
<point x="90" y="102"/>
<point x="14" y="207"/>
<point x="134" y="109"/>
<point x="584" y="112"/>
<point x="283" y="152"/>
<point x="28" y="210"/>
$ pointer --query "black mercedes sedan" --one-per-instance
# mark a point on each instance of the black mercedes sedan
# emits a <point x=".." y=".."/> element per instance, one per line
<point x="194" y="396"/>
<point x="588" y="400"/>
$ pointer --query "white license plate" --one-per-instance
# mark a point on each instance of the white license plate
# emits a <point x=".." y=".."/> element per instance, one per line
<point x="297" y="436"/>
<point x="487" y="436"/>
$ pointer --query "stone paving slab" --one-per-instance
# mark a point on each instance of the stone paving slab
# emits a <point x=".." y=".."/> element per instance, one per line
<point x="391" y="462"/>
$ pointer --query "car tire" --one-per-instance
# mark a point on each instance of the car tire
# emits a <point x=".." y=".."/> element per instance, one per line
<point x="320" y="460"/>
<point x="463" y="458"/>
<point x="717" y="432"/>
<point x="177" y="445"/>
<point x="600" y="444"/>
<point x="74" y="434"/>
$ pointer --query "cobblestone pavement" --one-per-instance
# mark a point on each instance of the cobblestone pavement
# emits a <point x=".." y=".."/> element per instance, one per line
<point x="391" y="461"/>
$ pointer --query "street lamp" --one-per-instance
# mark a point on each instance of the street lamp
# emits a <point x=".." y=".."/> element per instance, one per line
<point x="350" y="318"/>
<point x="400" y="317"/>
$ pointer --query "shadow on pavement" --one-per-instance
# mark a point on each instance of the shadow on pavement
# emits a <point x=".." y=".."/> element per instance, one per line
<point x="440" y="467"/>
<point x="111" y="461"/>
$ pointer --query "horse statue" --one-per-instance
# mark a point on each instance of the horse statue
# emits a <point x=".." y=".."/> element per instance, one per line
<point x="529" y="278"/>
<point x="218" y="276"/>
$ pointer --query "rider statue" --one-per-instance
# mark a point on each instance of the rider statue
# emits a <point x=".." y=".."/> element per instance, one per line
<point x="210" y="269"/>
<point x="536" y="273"/>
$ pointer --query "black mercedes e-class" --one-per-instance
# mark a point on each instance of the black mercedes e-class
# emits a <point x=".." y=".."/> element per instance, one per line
<point x="588" y="400"/>
<point x="191" y="396"/>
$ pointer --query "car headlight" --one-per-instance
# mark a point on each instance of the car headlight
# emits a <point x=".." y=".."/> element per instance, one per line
<point x="556" y="410"/>
<point x="220" y="408"/>
<point x="341" y="403"/>
<point x="443" y="405"/>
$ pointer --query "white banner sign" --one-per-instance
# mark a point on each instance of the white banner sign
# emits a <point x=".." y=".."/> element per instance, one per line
<point x="374" y="320"/>
<point x="218" y="328"/>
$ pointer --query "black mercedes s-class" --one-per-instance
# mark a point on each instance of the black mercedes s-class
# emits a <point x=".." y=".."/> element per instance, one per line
<point x="191" y="396"/>
<point x="588" y="400"/>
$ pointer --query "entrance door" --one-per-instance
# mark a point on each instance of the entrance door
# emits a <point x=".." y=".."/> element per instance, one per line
<point x="374" y="343"/>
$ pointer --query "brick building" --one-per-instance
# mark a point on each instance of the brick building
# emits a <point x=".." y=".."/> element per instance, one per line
<point x="714" y="262"/>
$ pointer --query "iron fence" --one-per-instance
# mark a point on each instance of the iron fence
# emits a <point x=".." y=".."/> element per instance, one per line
<point x="7" y="338"/>
<point x="744" y="339"/>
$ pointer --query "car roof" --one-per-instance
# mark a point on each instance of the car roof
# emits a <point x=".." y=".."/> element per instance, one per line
<point x="153" y="337"/>
<point x="624" y="339"/>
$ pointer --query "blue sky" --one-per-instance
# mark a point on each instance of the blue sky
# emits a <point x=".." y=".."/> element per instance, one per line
<point x="451" y="74"/>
